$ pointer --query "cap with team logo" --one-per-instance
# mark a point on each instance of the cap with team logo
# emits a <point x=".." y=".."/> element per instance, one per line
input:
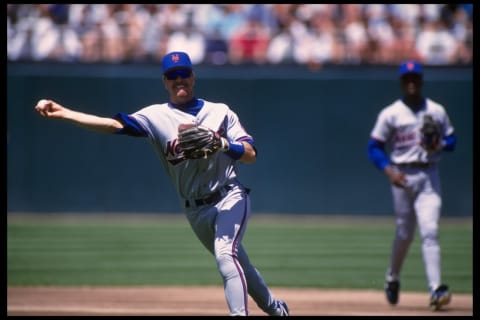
<point x="410" y="66"/>
<point x="176" y="60"/>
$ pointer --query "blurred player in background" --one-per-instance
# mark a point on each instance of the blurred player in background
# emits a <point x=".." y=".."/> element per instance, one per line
<point x="415" y="130"/>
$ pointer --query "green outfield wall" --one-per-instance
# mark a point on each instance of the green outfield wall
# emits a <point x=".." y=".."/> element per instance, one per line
<point x="311" y="130"/>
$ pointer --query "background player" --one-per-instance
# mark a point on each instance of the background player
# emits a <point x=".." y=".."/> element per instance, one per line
<point x="215" y="202"/>
<point x="412" y="169"/>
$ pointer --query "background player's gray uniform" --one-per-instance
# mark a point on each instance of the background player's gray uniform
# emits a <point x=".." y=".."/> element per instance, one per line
<point x="420" y="202"/>
<point x="219" y="226"/>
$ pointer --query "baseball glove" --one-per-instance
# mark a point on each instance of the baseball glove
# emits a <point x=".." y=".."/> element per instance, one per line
<point x="431" y="136"/>
<point x="198" y="141"/>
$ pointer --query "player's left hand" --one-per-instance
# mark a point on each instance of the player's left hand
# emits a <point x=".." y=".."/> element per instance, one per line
<point x="397" y="178"/>
<point x="198" y="141"/>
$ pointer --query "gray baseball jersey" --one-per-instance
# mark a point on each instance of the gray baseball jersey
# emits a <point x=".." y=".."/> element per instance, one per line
<point x="399" y="127"/>
<point x="192" y="179"/>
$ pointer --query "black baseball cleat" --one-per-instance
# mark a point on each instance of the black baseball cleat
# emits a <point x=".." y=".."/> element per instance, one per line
<point x="392" y="289"/>
<point x="440" y="297"/>
<point x="280" y="309"/>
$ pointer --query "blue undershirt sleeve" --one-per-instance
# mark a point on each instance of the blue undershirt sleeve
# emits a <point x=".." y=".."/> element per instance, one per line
<point x="130" y="126"/>
<point x="377" y="155"/>
<point x="449" y="142"/>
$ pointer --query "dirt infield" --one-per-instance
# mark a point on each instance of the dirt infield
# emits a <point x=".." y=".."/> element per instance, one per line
<point x="210" y="301"/>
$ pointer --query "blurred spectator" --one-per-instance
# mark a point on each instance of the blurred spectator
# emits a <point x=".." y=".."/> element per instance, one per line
<point x="174" y="16"/>
<point x="249" y="43"/>
<point x="19" y="32"/>
<point x="92" y="42"/>
<point x="380" y="34"/>
<point x="408" y="12"/>
<point x="113" y="40"/>
<point x="280" y="47"/>
<point x="52" y="38"/>
<point x="232" y="18"/>
<point x="134" y="22"/>
<point x="154" y="38"/>
<point x="355" y="33"/>
<point x="403" y="47"/>
<point x="263" y="13"/>
<point x="435" y="45"/>
<point x="82" y="18"/>
<point x="462" y="30"/>
<point x="318" y="45"/>
<point x="189" y="40"/>
<point x="216" y="48"/>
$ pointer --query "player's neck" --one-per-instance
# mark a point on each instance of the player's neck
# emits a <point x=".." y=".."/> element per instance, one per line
<point x="414" y="102"/>
<point x="191" y="103"/>
<point x="193" y="106"/>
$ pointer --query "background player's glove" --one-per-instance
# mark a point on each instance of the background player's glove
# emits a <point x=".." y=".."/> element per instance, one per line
<point x="431" y="136"/>
<point x="198" y="141"/>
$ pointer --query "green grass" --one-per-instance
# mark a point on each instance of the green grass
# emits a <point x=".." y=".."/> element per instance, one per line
<point x="312" y="252"/>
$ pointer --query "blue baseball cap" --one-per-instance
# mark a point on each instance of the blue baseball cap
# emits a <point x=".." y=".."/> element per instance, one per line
<point x="410" y="66"/>
<point x="176" y="60"/>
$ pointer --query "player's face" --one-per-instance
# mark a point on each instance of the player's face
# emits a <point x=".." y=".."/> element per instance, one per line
<point x="179" y="84"/>
<point x="411" y="84"/>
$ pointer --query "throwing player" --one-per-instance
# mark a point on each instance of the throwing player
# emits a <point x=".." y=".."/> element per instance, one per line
<point x="215" y="202"/>
<point x="415" y="130"/>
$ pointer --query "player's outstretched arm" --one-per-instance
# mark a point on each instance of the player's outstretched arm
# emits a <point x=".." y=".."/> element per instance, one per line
<point x="51" y="109"/>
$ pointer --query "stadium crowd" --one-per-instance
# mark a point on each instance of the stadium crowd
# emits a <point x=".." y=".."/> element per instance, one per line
<point x="309" y="34"/>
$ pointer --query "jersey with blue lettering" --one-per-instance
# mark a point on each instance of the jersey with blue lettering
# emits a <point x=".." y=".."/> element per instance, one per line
<point x="192" y="178"/>
<point x="398" y="126"/>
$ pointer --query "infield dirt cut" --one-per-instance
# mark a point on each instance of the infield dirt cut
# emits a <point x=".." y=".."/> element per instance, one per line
<point x="210" y="301"/>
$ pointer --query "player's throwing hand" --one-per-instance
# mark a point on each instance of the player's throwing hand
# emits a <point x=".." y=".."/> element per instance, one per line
<point x="50" y="109"/>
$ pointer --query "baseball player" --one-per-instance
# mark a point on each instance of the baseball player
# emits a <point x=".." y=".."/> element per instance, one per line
<point x="200" y="144"/>
<point x="415" y="130"/>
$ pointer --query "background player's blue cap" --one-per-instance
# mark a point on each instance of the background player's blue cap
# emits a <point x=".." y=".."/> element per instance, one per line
<point x="410" y="66"/>
<point x="176" y="60"/>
